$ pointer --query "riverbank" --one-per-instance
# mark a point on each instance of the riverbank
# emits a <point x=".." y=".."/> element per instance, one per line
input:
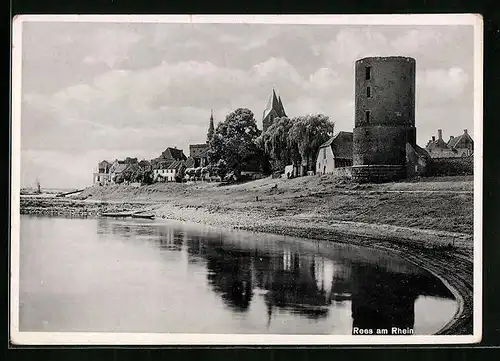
<point x="429" y="223"/>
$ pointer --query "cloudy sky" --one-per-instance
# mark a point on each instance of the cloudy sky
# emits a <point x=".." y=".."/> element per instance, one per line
<point x="93" y="91"/>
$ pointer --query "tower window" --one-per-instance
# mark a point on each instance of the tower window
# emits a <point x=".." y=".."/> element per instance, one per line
<point x="368" y="92"/>
<point x="368" y="72"/>
<point x="367" y="116"/>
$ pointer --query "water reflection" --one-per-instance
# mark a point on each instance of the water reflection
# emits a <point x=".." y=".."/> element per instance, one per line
<point x="308" y="284"/>
<point x="271" y="278"/>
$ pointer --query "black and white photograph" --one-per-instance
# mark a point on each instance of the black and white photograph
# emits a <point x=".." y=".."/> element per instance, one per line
<point x="246" y="180"/>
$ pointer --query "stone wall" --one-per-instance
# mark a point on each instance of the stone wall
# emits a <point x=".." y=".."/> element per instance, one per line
<point x="378" y="173"/>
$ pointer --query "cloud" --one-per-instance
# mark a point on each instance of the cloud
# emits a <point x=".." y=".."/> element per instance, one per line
<point x="352" y="44"/>
<point x="111" y="46"/>
<point x="440" y="85"/>
<point x="93" y="91"/>
<point x="413" y="41"/>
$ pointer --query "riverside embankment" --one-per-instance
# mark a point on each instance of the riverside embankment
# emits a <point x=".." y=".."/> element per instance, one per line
<point x="429" y="223"/>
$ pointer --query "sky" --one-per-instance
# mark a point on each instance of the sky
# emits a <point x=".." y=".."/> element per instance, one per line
<point x="93" y="91"/>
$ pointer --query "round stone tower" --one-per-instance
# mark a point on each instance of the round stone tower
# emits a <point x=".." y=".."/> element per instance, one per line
<point x="384" y="118"/>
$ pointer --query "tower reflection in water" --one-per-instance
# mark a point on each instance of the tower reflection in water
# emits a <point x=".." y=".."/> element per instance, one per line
<point x="308" y="284"/>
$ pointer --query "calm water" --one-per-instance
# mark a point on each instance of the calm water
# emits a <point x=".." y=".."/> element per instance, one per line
<point x="155" y="276"/>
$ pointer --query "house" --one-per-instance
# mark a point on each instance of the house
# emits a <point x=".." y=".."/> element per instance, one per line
<point x="160" y="174"/>
<point x="199" y="152"/>
<point x="171" y="173"/>
<point x="101" y="175"/>
<point x="418" y="161"/>
<point x="460" y="146"/>
<point x="167" y="157"/>
<point x="171" y="154"/>
<point x="116" y="170"/>
<point x="121" y="170"/>
<point x="335" y="153"/>
<point x="463" y="145"/>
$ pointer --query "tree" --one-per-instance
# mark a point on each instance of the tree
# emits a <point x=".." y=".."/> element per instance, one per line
<point x="234" y="141"/>
<point x="190" y="172"/>
<point x="147" y="177"/>
<point x="197" y="172"/>
<point x="308" y="133"/>
<point x="221" y="168"/>
<point x="118" y="179"/>
<point x="276" y="143"/>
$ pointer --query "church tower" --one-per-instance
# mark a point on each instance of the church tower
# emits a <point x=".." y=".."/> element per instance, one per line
<point x="211" y="130"/>
<point x="274" y="109"/>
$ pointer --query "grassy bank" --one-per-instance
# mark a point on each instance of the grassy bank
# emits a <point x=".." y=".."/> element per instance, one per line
<point x="429" y="222"/>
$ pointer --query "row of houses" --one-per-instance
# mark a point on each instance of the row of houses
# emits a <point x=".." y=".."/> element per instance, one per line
<point x="171" y="166"/>
<point x="337" y="151"/>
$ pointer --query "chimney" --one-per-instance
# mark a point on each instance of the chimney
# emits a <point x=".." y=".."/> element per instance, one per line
<point x="433" y="138"/>
<point x="465" y="131"/>
<point x="440" y="133"/>
<point x="452" y="137"/>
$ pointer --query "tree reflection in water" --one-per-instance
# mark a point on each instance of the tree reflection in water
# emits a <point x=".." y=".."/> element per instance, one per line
<point x="303" y="283"/>
<point x="230" y="274"/>
<point x="289" y="279"/>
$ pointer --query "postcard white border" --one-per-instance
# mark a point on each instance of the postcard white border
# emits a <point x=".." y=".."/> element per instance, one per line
<point x="91" y="338"/>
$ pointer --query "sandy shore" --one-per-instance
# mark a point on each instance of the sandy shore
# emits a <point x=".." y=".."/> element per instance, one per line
<point x="426" y="223"/>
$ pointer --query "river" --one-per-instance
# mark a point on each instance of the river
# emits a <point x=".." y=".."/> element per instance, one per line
<point x="130" y="275"/>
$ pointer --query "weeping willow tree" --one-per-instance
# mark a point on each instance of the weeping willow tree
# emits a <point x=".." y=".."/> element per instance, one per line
<point x="307" y="134"/>
<point x="276" y="143"/>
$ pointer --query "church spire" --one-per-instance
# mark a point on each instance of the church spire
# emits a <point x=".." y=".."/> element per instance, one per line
<point x="210" y="133"/>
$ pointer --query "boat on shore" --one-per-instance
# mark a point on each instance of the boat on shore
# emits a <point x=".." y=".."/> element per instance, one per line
<point x="116" y="215"/>
<point x="146" y="216"/>
<point x="128" y="214"/>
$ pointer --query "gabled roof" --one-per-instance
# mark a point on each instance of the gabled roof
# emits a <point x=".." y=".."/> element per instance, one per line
<point x="120" y="167"/>
<point x="421" y="151"/>
<point x="189" y="163"/>
<point x="161" y="163"/>
<point x="452" y="143"/>
<point x="341" y="145"/>
<point x="176" y="165"/>
<point x="175" y="153"/>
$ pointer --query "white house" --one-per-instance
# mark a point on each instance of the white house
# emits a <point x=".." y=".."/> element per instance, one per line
<point x="171" y="173"/>
<point x="335" y="153"/>
<point x="159" y="175"/>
